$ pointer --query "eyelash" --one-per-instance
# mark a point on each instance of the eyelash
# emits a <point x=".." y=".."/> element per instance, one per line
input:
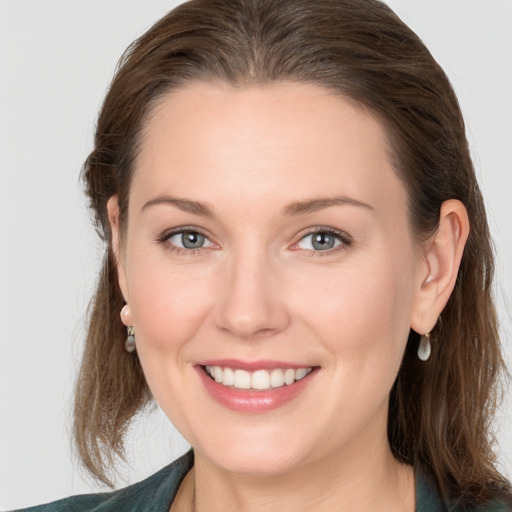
<point x="341" y="236"/>
<point x="164" y="238"/>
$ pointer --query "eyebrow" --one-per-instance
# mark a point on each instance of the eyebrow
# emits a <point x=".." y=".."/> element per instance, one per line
<point x="295" y="208"/>
<point x="312" y="205"/>
<point x="185" y="205"/>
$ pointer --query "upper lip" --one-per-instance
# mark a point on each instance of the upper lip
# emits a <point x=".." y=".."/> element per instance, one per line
<point x="252" y="366"/>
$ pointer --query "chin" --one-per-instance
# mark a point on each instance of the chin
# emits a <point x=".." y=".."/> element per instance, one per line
<point x="257" y="465"/>
<point x="261" y="457"/>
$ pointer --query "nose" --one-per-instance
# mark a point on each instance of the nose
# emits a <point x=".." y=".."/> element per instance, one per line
<point x="252" y="303"/>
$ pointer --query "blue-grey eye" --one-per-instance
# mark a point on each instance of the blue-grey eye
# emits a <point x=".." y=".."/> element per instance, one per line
<point x="192" y="240"/>
<point x="189" y="240"/>
<point x="319" y="241"/>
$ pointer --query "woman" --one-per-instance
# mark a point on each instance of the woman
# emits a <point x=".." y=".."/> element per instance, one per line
<point x="298" y="267"/>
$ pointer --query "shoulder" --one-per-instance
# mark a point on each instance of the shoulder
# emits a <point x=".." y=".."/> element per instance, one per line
<point x="497" y="504"/>
<point x="502" y="502"/>
<point x="428" y="500"/>
<point x="154" y="494"/>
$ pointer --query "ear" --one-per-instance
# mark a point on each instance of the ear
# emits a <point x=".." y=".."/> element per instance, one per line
<point x="113" y="217"/>
<point x="442" y="255"/>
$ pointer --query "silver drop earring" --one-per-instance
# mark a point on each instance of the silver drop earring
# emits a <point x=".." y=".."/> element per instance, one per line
<point x="424" y="348"/>
<point x="129" y="344"/>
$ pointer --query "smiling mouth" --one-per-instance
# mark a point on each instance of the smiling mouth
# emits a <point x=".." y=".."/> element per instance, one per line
<point x="260" y="380"/>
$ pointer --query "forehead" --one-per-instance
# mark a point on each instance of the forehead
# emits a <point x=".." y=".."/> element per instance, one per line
<point x="251" y="142"/>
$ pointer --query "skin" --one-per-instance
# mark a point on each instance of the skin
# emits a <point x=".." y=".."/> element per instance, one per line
<point x="259" y="290"/>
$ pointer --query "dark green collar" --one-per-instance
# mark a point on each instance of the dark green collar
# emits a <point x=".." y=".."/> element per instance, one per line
<point x="427" y="498"/>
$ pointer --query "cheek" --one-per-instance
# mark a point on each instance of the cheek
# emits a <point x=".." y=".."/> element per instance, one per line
<point x="364" y="327"/>
<point x="168" y="308"/>
<point x="168" y="304"/>
<point x="363" y="314"/>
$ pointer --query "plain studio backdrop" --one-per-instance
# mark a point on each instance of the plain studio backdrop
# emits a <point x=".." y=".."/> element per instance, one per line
<point x="56" y="60"/>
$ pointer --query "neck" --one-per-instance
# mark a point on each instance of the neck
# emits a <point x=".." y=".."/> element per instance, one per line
<point x="373" y="480"/>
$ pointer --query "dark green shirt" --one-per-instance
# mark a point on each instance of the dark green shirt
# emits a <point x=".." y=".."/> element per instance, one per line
<point x="156" y="494"/>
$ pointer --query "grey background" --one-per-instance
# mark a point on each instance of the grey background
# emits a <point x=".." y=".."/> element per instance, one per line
<point x="56" y="60"/>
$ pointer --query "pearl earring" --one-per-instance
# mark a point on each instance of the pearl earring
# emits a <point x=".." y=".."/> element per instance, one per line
<point x="129" y="344"/>
<point x="126" y="315"/>
<point x="126" y="318"/>
<point x="424" y="348"/>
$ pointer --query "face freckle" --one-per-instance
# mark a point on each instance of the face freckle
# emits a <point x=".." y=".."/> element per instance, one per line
<point x="268" y="231"/>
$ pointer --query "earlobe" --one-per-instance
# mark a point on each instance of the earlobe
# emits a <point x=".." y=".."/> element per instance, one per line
<point x="114" y="221"/>
<point x="443" y="254"/>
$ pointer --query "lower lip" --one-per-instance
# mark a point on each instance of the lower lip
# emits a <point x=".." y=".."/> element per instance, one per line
<point x="247" y="401"/>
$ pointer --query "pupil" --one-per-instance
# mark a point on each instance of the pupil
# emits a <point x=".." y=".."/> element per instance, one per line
<point x="192" y="240"/>
<point x="323" y="241"/>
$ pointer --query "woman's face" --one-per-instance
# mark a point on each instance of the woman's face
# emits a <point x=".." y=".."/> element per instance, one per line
<point x="268" y="239"/>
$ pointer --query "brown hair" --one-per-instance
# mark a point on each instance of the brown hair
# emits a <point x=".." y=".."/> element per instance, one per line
<point x="441" y="410"/>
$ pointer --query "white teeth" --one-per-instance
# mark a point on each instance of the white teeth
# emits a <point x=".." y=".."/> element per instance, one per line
<point x="301" y="373"/>
<point x="229" y="377"/>
<point x="242" y="379"/>
<point x="218" y="374"/>
<point x="289" y="376"/>
<point x="260" y="380"/>
<point x="277" y="378"/>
